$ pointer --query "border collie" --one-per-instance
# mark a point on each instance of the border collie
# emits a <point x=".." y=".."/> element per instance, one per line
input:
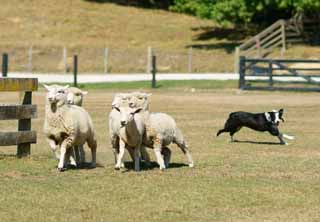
<point x="268" y="121"/>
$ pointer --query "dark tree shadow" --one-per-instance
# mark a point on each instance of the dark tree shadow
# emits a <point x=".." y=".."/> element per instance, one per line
<point x="257" y="142"/>
<point x="228" y="47"/>
<point x="147" y="4"/>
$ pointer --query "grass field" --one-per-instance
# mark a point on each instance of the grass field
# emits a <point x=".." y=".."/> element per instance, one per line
<point x="244" y="181"/>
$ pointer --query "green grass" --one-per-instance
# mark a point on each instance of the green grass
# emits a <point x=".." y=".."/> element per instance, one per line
<point x="230" y="182"/>
<point x="163" y="84"/>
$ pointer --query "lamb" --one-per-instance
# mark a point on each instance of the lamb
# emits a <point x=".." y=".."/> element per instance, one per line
<point x="75" y="96"/>
<point x="161" y="130"/>
<point x="130" y="134"/>
<point x="66" y="126"/>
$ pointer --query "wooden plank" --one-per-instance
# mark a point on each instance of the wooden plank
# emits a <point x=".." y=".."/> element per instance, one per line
<point x="284" y="60"/>
<point x="24" y="125"/>
<point x="15" y="138"/>
<point x="8" y="112"/>
<point x="18" y="84"/>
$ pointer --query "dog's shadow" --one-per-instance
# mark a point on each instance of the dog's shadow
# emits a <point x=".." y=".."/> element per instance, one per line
<point x="257" y="142"/>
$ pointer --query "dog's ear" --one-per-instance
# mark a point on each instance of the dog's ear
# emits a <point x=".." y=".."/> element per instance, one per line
<point x="280" y="114"/>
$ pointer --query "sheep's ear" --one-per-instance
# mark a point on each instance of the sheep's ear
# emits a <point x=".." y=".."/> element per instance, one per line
<point x="66" y="87"/>
<point x="47" y="87"/>
<point x="84" y="92"/>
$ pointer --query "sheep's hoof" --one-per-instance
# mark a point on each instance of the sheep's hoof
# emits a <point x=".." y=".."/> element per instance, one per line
<point x="191" y="165"/>
<point x="117" y="168"/>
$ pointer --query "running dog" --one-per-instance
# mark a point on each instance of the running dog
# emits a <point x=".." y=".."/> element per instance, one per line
<point x="268" y="121"/>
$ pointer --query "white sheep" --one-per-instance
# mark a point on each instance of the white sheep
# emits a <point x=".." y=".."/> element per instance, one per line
<point x="75" y="96"/>
<point x="121" y="100"/>
<point x="161" y="130"/>
<point x="66" y="126"/>
<point x="130" y="134"/>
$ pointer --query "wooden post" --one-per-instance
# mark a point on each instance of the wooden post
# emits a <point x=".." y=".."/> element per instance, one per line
<point x="75" y="70"/>
<point x="5" y="61"/>
<point x="236" y="60"/>
<point x="154" y="70"/>
<point x="149" y="58"/>
<point x="30" y="60"/>
<point x="242" y="72"/>
<point x="283" y="37"/>
<point x="106" y="55"/>
<point x="64" y="58"/>
<point x="270" y="70"/>
<point x="25" y="125"/>
<point x="190" y="60"/>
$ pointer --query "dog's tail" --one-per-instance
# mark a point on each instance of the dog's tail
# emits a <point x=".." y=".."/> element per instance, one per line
<point x="288" y="137"/>
<point x="220" y="131"/>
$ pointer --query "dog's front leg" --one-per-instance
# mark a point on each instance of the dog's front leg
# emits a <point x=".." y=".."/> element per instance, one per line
<point x="282" y="142"/>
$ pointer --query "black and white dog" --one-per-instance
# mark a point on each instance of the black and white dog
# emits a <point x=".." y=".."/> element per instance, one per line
<point x="268" y="121"/>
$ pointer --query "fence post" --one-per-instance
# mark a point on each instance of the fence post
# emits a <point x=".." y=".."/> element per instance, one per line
<point x="283" y="37"/>
<point x="106" y="55"/>
<point x="24" y="125"/>
<point x="5" y="61"/>
<point x="149" y="58"/>
<point x="154" y="70"/>
<point x="64" y="58"/>
<point x="236" y="59"/>
<point x="190" y="60"/>
<point x="270" y="70"/>
<point x="242" y="72"/>
<point x="75" y="70"/>
<point x="30" y="60"/>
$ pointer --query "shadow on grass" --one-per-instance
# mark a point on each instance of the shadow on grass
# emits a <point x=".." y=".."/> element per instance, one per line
<point x="146" y="4"/>
<point x="256" y="142"/>
<point x="228" y="47"/>
<point x="85" y="166"/>
<point x="153" y="165"/>
<point x="5" y="156"/>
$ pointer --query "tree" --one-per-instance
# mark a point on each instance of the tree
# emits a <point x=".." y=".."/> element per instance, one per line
<point x="244" y="11"/>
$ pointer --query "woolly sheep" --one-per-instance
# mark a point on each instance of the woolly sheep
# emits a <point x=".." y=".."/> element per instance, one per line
<point x="75" y="96"/>
<point x="161" y="130"/>
<point x="130" y="134"/>
<point x="120" y="99"/>
<point x="66" y="126"/>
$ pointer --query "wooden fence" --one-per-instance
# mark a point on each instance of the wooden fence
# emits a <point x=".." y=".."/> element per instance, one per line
<point x="263" y="43"/>
<point x="279" y="74"/>
<point x="23" y="113"/>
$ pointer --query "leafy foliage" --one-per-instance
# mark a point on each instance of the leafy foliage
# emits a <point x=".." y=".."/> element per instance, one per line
<point x="244" y="11"/>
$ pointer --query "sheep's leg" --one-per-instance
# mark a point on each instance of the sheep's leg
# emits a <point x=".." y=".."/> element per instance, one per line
<point x="92" y="143"/>
<point x="115" y="147"/>
<point x="157" y="150"/>
<point x="145" y="155"/>
<point x="54" y="148"/>
<point x="63" y="151"/>
<point x="136" y="159"/>
<point x="183" y="146"/>
<point x="166" y="153"/>
<point x="120" y="156"/>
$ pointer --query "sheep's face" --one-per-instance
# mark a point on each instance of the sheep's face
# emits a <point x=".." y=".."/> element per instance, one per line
<point x="56" y="94"/>
<point x="121" y="99"/>
<point x="140" y="100"/>
<point x="127" y="114"/>
<point x="75" y="97"/>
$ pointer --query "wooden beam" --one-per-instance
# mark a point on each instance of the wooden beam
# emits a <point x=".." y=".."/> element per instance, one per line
<point x="15" y="138"/>
<point x="18" y="84"/>
<point x="8" y="112"/>
<point x="25" y="125"/>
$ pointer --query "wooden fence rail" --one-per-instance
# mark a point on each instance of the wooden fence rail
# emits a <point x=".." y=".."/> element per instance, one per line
<point x="287" y="74"/>
<point x="23" y="113"/>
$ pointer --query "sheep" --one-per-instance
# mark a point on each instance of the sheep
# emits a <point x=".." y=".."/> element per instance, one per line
<point x="75" y="97"/>
<point x="161" y="130"/>
<point x="130" y="134"/>
<point x="66" y="126"/>
<point x="119" y="100"/>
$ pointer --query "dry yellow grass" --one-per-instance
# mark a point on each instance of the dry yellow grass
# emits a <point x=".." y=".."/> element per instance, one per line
<point x="230" y="181"/>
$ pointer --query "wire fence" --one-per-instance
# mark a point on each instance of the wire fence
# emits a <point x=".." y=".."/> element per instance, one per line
<point x="41" y="59"/>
